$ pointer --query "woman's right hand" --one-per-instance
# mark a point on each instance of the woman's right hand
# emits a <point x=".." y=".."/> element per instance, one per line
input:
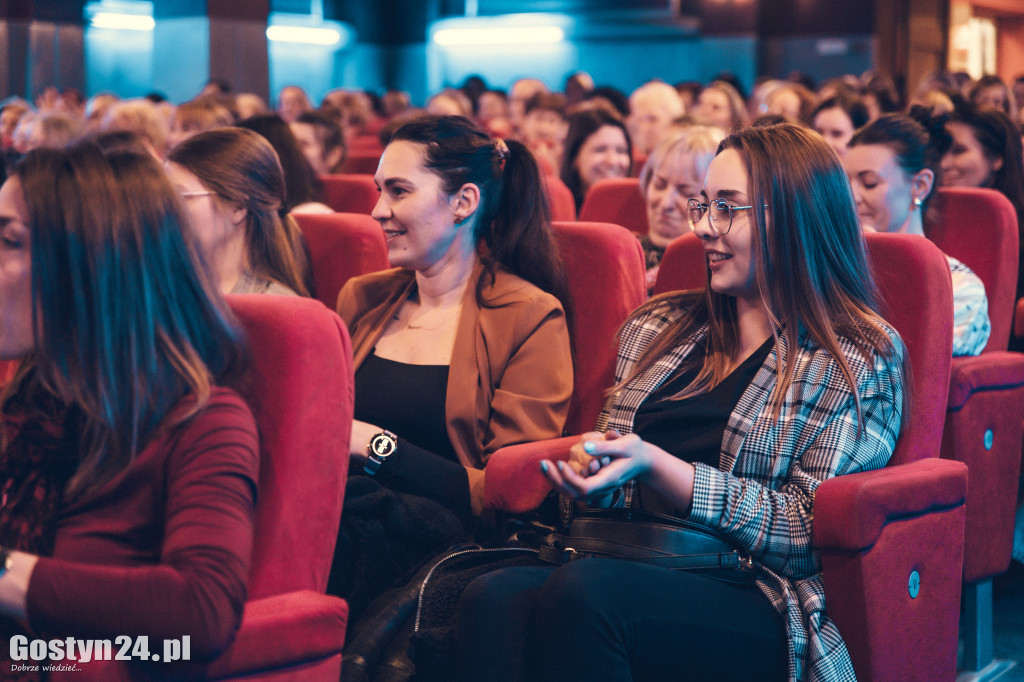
<point x="584" y="465"/>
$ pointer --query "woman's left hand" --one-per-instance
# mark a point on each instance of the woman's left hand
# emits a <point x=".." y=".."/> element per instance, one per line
<point x="627" y="458"/>
<point x="361" y="435"/>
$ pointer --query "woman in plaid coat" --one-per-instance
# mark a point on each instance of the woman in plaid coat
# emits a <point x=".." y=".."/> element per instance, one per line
<point x="731" y="406"/>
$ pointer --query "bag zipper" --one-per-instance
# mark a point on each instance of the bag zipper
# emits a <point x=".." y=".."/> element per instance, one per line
<point x="472" y="550"/>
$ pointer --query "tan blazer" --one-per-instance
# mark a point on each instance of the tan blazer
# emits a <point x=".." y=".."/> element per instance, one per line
<point x="511" y="375"/>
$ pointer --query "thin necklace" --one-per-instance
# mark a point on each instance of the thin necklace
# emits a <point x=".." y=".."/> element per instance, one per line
<point x="445" y="318"/>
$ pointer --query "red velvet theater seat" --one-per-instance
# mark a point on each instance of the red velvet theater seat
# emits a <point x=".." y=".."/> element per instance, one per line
<point x="362" y="161"/>
<point x="350" y="192"/>
<point x="300" y="389"/>
<point x="890" y="541"/>
<point x="983" y="425"/>
<point x="618" y="201"/>
<point x="342" y="246"/>
<point x="683" y="266"/>
<point x="605" y="267"/>
<point x="560" y="201"/>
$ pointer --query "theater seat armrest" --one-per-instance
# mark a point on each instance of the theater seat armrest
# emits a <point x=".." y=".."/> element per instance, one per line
<point x="284" y="630"/>
<point x="513" y="481"/>
<point x="850" y="511"/>
<point x="990" y="371"/>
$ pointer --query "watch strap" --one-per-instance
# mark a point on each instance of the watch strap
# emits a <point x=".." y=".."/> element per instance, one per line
<point x="380" y="447"/>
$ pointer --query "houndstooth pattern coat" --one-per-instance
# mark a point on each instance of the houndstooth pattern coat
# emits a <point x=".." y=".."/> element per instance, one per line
<point x="762" y="494"/>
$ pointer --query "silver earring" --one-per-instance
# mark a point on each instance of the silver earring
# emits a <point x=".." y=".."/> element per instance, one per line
<point x="917" y="202"/>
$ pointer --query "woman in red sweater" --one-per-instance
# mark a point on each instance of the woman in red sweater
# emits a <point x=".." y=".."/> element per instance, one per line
<point x="127" y="476"/>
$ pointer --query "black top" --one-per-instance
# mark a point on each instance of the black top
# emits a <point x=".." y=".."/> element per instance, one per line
<point x="408" y="400"/>
<point x="692" y="429"/>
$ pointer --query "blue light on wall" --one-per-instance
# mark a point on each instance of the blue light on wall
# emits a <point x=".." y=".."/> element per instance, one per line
<point x="119" y="47"/>
<point x="502" y="47"/>
<point x="303" y="51"/>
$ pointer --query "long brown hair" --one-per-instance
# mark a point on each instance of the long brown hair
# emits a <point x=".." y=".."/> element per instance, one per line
<point x="243" y="169"/>
<point x="810" y="262"/>
<point x="125" y="323"/>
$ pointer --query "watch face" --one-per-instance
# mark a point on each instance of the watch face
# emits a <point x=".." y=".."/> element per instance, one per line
<point x="382" y="445"/>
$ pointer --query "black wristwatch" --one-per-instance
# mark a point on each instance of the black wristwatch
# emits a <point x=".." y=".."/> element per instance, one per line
<point x="380" y="447"/>
<point x="5" y="560"/>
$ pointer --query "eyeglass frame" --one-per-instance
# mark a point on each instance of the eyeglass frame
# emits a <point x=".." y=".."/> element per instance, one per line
<point x="189" y="195"/>
<point x="705" y="210"/>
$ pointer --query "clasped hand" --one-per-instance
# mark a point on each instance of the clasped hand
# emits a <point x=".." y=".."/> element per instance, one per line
<point x="599" y="464"/>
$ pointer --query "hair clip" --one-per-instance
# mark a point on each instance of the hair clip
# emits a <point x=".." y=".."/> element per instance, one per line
<point x="502" y="148"/>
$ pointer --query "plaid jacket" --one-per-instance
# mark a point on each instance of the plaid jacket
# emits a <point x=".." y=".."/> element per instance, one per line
<point x="762" y="494"/>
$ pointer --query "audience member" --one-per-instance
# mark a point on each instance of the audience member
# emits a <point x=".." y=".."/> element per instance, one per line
<point x="204" y="113"/>
<point x="790" y="303"/>
<point x="140" y="116"/>
<point x="792" y="101"/>
<point x="322" y="141"/>
<point x="396" y="102"/>
<point x="893" y="167"/>
<point x="577" y="85"/>
<point x="10" y="114"/>
<point x="463" y="348"/>
<point x="986" y="152"/>
<point x="55" y="129"/>
<point x="597" y="146"/>
<point x="291" y="102"/>
<point x="450" y="102"/>
<point x="248" y="104"/>
<point x="232" y="185"/>
<point x="129" y="475"/>
<point x="990" y="92"/>
<point x="653" y="107"/>
<point x="544" y="128"/>
<point x="673" y="175"/>
<point x="836" y="119"/>
<point x="302" y="186"/>
<point x="521" y="92"/>
<point x="720" y="105"/>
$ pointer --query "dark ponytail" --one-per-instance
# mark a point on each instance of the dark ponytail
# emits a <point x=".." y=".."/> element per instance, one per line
<point x="513" y="228"/>
<point x="919" y="141"/>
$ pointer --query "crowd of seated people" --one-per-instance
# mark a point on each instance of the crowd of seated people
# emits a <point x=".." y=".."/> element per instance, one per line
<point x="463" y="347"/>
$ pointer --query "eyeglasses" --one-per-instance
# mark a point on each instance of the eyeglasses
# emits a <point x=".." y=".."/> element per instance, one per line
<point x="189" y="195"/>
<point x="721" y="213"/>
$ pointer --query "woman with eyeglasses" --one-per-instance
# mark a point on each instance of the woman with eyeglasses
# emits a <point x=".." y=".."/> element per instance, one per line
<point x="232" y="185"/>
<point x="731" y="405"/>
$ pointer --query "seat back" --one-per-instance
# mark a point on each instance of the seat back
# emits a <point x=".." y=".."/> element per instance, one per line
<point x="350" y="193"/>
<point x="917" y="299"/>
<point x="978" y="227"/>
<point x="342" y="246"/>
<point x="683" y="266"/>
<point x="605" y="268"/>
<point x="560" y="200"/>
<point x="300" y="389"/>
<point x="618" y="201"/>
<point x="361" y="161"/>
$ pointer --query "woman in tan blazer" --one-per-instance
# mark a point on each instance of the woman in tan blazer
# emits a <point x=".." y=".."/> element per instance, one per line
<point x="463" y="347"/>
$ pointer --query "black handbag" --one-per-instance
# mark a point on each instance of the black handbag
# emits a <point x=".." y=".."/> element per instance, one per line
<point x="650" y="538"/>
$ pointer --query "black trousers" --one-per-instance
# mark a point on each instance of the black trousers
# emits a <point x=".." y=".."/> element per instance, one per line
<point x="609" y="619"/>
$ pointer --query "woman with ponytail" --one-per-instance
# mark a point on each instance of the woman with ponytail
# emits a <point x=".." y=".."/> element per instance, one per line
<point x="463" y="347"/>
<point x="233" y="187"/>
